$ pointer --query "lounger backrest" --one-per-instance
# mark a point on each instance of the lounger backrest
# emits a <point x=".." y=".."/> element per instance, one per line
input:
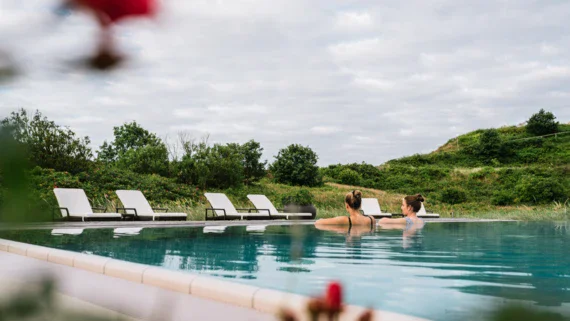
<point x="422" y="210"/>
<point x="221" y="201"/>
<point x="370" y="206"/>
<point x="75" y="200"/>
<point x="262" y="202"/>
<point x="134" y="199"/>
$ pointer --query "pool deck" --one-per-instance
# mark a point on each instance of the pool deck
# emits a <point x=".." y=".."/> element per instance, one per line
<point x="133" y="224"/>
<point x="81" y="291"/>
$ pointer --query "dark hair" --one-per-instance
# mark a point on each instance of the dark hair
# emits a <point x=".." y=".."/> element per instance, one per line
<point x="354" y="199"/>
<point x="415" y="201"/>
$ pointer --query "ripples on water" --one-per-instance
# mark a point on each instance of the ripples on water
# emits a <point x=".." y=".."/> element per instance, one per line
<point x="447" y="271"/>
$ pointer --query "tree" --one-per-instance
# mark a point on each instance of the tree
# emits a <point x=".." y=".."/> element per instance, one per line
<point x="253" y="168"/>
<point x="136" y="149"/>
<point x="296" y="165"/>
<point x="542" y="123"/>
<point x="48" y="144"/>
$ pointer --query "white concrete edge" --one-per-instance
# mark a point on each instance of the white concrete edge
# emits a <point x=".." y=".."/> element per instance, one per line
<point x="260" y="299"/>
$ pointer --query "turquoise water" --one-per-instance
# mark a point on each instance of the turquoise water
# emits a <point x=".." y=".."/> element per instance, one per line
<point x="447" y="271"/>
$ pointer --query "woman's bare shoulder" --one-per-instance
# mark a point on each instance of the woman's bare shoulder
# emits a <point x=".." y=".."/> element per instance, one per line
<point x="339" y="220"/>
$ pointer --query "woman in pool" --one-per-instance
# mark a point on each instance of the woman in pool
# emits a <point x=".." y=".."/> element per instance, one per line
<point x="411" y="205"/>
<point x="352" y="202"/>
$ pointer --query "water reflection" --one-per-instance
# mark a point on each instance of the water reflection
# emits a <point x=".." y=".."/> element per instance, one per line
<point x="468" y="263"/>
<point x="353" y="235"/>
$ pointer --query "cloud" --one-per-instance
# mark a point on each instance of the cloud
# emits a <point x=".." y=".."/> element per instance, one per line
<point x="354" y="20"/>
<point x="325" y="130"/>
<point x="356" y="81"/>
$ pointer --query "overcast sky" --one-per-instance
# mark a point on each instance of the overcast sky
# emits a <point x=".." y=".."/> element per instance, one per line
<point x="356" y="81"/>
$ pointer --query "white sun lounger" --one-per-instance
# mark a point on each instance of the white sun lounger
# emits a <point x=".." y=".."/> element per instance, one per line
<point x="223" y="209"/>
<point x="137" y="207"/>
<point x="423" y="213"/>
<point x="264" y="205"/>
<point x="371" y="207"/>
<point x="74" y="205"/>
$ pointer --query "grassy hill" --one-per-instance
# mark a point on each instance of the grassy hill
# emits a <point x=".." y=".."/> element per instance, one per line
<point x="527" y="176"/>
<point x="518" y="149"/>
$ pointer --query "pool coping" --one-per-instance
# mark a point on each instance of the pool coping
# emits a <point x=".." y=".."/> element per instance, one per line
<point x="260" y="299"/>
<point x="165" y="224"/>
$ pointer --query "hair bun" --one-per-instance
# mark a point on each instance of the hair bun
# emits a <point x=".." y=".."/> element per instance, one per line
<point x="357" y="194"/>
<point x="420" y="198"/>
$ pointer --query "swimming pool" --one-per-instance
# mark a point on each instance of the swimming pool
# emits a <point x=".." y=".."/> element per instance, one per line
<point x="447" y="271"/>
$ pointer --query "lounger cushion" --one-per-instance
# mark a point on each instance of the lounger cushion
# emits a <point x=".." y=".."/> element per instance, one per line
<point x="423" y="213"/>
<point x="246" y="215"/>
<point x="162" y="215"/>
<point x="262" y="202"/>
<point x="98" y="215"/>
<point x="134" y="199"/>
<point x="219" y="201"/>
<point x="75" y="200"/>
<point x="289" y="215"/>
<point x="371" y="206"/>
<point x="428" y="215"/>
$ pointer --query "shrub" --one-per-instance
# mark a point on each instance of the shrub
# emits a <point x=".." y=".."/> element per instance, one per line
<point x="529" y="155"/>
<point x="101" y="182"/>
<point x="299" y="197"/>
<point x="537" y="190"/>
<point x="502" y="198"/>
<point x="349" y="177"/>
<point x="542" y="123"/>
<point x="490" y="145"/>
<point x="452" y="195"/>
<point x="296" y="165"/>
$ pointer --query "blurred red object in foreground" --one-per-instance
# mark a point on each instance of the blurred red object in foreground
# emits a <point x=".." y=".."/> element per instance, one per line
<point x="111" y="11"/>
<point x="334" y="296"/>
<point x="330" y="305"/>
<point x="107" y="13"/>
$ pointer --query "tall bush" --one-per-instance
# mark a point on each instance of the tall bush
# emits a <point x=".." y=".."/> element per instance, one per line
<point x="253" y="167"/>
<point x="538" y="190"/>
<point x="217" y="166"/>
<point x="349" y="177"/>
<point x="296" y="165"/>
<point x="490" y="145"/>
<point x="451" y="195"/>
<point x="542" y="123"/>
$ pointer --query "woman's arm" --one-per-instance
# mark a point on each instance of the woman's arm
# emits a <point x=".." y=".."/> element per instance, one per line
<point x="386" y="220"/>
<point x="339" y="220"/>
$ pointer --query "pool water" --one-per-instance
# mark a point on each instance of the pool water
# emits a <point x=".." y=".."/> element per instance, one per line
<point x="446" y="271"/>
